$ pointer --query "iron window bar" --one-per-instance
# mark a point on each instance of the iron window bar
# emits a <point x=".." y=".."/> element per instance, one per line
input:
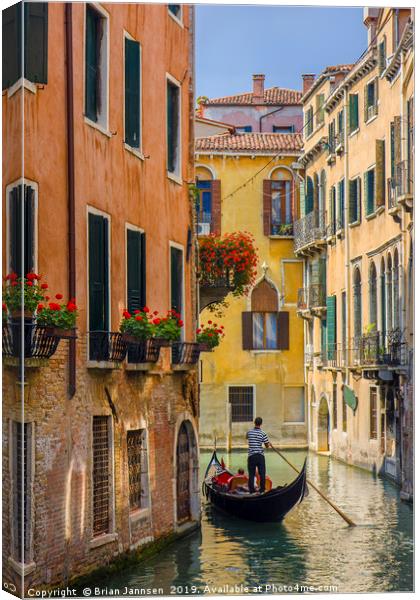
<point x="106" y="346"/>
<point x="37" y="340"/>
<point x="185" y="353"/>
<point x="143" y="351"/>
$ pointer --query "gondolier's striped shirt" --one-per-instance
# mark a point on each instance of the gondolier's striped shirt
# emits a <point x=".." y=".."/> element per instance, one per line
<point x="256" y="438"/>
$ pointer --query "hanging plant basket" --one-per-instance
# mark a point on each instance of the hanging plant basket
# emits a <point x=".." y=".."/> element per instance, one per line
<point x="205" y="347"/>
<point x="162" y="342"/>
<point x="16" y="314"/>
<point x="64" y="334"/>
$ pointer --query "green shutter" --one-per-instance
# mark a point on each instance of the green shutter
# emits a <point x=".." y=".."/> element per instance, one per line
<point x="366" y="192"/>
<point x="392" y="149"/>
<point x="353" y="201"/>
<point x="349" y="397"/>
<point x="176" y="279"/>
<point x="366" y="102"/>
<point x="36" y="41"/>
<point x="98" y="273"/>
<point x="309" y="198"/>
<point x="132" y="93"/>
<point x="172" y="125"/>
<point x="331" y="326"/>
<point x="135" y="271"/>
<point x="12" y="44"/>
<point x="92" y="64"/>
<point x="324" y="337"/>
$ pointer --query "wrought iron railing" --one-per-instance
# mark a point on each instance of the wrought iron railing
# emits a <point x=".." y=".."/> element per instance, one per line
<point x="106" y="346"/>
<point x="185" y="353"/>
<point x="309" y="229"/>
<point x="330" y="229"/>
<point x="392" y="192"/>
<point x="143" y="351"/>
<point x="336" y="355"/>
<point x="35" y="341"/>
<point x="340" y="139"/>
<point x="403" y="181"/>
<point x="379" y="349"/>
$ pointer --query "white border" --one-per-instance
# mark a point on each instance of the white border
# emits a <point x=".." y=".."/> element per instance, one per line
<point x="178" y="247"/>
<point x="177" y="175"/>
<point x="9" y="188"/>
<point x="136" y="151"/>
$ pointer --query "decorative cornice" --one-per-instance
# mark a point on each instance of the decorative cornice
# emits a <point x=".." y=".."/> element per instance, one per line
<point x="367" y="64"/>
<point x="405" y="44"/>
<point x="314" y="151"/>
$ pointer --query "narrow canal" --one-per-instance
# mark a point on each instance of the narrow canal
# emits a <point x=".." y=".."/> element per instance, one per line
<point x="312" y="547"/>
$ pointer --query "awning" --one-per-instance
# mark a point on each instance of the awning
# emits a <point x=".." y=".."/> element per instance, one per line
<point x="350" y="397"/>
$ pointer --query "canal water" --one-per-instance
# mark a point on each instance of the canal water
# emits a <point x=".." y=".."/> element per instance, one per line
<point x="313" y="546"/>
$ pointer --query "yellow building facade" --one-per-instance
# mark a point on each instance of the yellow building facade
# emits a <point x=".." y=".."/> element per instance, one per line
<point x="355" y="234"/>
<point x="258" y="368"/>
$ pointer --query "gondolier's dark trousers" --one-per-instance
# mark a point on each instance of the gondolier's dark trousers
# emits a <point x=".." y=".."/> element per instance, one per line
<point x="254" y="461"/>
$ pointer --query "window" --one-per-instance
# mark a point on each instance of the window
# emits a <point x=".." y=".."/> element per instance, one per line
<point x="35" y="43"/>
<point x="331" y="327"/>
<point x="173" y="139"/>
<point x="177" y="280"/>
<point x="341" y="219"/>
<point x="96" y="66"/>
<point x="101" y="469"/>
<point x="353" y="112"/>
<point x="175" y="10"/>
<point x="389" y="295"/>
<point x="382" y="56"/>
<point x="138" y="476"/>
<point x="340" y="127"/>
<point x="319" y="108"/>
<point x="264" y="328"/>
<point x="410" y="143"/>
<point x="379" y="178"/>
<point x="343" y="412"/>
<point x="22" y="491"/>
<point x="132" y="88"/>
<point x="309" y="121"/>
<point x="333" y="210"/>
<point x="373" y="414"/>
<point x="280" y="203"/>
<point x="204" y="206"/>
<point x="357" y="305"/>
<point x="309" y="196"/>
<point x="371" y="99"/>
<point x="283" y="128"/>
<point x="98" y="285"/>
<point x="396" y="292"/>
<point x="244" y="129"/>
<point x="383" y="292"/>
<point x="354" y="200"/>
<point x="21" y="199"/>
<point x="136" y="270"/>
<point x="331" y="138"/>
<point x="373" y="296"/>
<point x="294" y="405"/>
<point x="369" y="191"/>
<point x="343" y="324"/>
<point x="241" y="399"/>
<point x="334" y="406"/>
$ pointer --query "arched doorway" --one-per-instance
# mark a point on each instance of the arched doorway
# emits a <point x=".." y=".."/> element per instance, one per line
<point x="186" y="473"/>
<point x="323" y="426"/>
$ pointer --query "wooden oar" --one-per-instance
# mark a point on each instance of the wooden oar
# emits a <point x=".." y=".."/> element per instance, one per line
<point x="340" y="512"/>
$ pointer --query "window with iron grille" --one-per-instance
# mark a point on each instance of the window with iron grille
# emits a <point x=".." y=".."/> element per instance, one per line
<point x="137" y="468"/>
<point x="373" y="413"/>
<point x="22" y="490"/>
<point x="101" y="475"/>
<point x="241" y="398"/>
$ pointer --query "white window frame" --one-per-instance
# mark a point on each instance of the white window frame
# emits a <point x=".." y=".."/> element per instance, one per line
<point x="22" y="181"/>
<point x="254" y="400"/>
<point x="175" y="176"/>
<point x="178" y="247"/>
<point x="174" y="17"/>
<point x="136" y="151"/>
<point x="102" y="124"/>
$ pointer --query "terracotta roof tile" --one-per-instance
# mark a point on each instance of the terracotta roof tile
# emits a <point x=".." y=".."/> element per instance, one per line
<point x="333" y="68"/>
<point x="251" y="142"/>
<point x="273" y="95"/>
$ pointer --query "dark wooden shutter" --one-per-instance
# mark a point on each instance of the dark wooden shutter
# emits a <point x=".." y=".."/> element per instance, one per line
<point x="135" y="271"/>
<point x="247" y="331"/>
<point x="380" y="173"/>
<point x="29" y="232"/>
<point x="132" y="93"/>
<point x="176" y="279"/>
<point x="98" y="273"/>
<point x="15" y="231"/>
<point x="267" y="206"/>
<point x="216" y="207"/>
<point x="283" y="330"/>
<point x="92" y="64"/>
<point x="12" y="44"/>
<point x="172" y="125"/>
<point x="331" y="326"/>
<point x="36" y="41"/>
<point x="352" y="201"/>
<point x="397" y="139"/>
<point x="366" y="192"/>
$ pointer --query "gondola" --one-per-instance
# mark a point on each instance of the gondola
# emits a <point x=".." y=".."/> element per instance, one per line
<point x="272" y="506"/>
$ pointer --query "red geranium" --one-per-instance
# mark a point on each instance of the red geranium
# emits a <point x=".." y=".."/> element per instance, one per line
<point x="59" y="296"/>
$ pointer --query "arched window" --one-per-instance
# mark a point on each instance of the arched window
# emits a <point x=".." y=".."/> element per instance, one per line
<point x="309" y="199"/>
<point x="389" y="302"/>
<point x="207" y="202"/>
<point x="357" y="304"/>
<point x="282" y="210"/>
<point x="396" y="292"/>
<point x="373" y="296"/>
<point x="264" y="306"/>
<point x="383" y="298"/>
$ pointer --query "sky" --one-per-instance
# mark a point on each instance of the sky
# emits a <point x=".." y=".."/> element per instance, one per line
<point x="233" y="42"/>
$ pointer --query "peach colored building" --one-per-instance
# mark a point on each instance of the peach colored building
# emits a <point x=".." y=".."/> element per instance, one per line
<point x="356" y="237"/>
<point x="107" y="439"/>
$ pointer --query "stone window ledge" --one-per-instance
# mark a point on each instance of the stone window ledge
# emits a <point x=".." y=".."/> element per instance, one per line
<point x="21" y="568"/>
<point x="139" y="515"/>
<point x="103" y="364"/>
<point x="101" y="540"/>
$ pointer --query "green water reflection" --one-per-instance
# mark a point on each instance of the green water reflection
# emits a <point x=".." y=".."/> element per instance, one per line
<point x="312" y="547"/>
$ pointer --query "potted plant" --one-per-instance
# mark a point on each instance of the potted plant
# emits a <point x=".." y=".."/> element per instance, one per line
<point x="209" y="336"/>
<point x="27" y="289"/>
<point x="59" y="319"/>
<point x="136" y="327"/>
<point x="167" y="329"/>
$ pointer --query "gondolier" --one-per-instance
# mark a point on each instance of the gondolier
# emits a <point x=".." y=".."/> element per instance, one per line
<point x="256" y="438"/>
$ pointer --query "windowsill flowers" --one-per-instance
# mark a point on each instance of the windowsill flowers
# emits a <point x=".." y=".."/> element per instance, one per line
<point x="209" y="336"/>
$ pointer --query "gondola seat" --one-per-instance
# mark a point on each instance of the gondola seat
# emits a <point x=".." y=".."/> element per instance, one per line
<point x="236" y="481"/>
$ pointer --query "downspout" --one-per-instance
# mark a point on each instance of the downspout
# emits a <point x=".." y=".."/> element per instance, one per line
<point x="347" y="233"/>
<point x="267" y="115"/>
<point x="70" y="187"/>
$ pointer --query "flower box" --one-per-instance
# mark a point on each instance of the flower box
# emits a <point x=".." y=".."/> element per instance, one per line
<point x="64" y="334"/>
<point x="162" y="342"/>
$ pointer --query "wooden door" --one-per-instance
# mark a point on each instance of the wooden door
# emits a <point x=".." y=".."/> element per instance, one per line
<point x="183" y="475"/>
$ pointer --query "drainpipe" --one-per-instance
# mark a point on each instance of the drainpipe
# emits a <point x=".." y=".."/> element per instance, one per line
<point x="70" y="186"/>
<point x="347" y="232"/>
<point x="268" y="114"/>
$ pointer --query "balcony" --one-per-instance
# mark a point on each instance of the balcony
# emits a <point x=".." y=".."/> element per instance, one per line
<point x="404" y="184"/>
<point x="35" y="342"/>
<point x="378" y="351"/>
<point x="340" y="142"/>
<point x="335" y="356"/>
<point x="185" y="355"/>
<point x="203" y="223"/>
<point x="310" y="233"/>
<point x="107" y="349"/>
<point x="142" y="354"/>
<point x="312" y="300"/>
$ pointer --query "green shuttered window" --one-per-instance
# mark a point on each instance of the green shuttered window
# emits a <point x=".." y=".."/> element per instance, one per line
<point x="92" y="66"/>
<point x="353" y="112"/>
<point x="132" y="93"/>
<point x="98" y="273"/>
<point x="173" y="129"/>
<point x="331" y="327"/>
<point x="177" y="280"/>
<point x="369" y="191"/>
<point x="35" y="43"/>
<point x="354" y="200"/>
<point x="136" y="270"/>
<point x="22" y="206"/>
<point x="309" y="198"/>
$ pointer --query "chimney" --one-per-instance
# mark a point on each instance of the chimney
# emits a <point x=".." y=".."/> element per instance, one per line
<point x="258" y="89"/>
<point x="308" y="79"/>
